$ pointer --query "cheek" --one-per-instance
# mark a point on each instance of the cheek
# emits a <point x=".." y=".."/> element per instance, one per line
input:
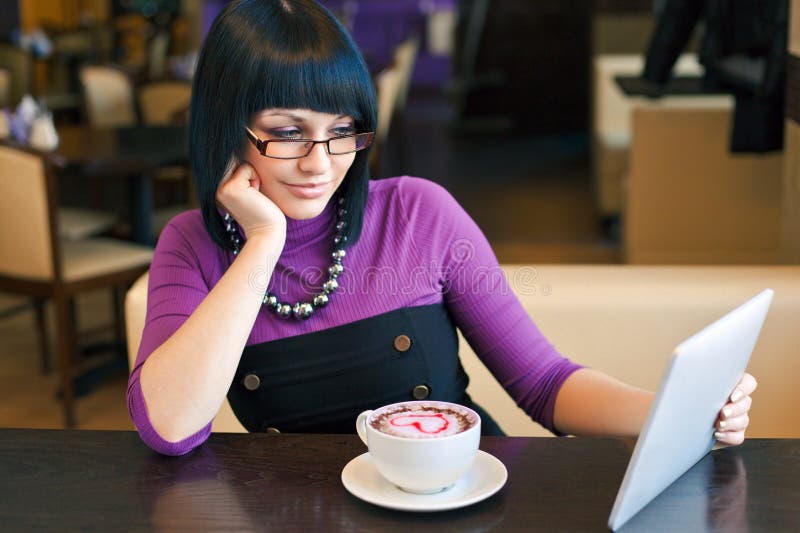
<point x="269" y="170"/>
<point x="344" y="165"/>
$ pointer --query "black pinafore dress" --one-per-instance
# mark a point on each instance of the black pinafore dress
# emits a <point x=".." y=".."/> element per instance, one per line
<point x="319" y="382"/>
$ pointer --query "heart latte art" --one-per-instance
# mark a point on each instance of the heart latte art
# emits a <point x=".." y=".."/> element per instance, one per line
<point x="422" y="421"/>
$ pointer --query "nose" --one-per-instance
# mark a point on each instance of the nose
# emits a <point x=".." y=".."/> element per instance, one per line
<point x="316" y="162"/>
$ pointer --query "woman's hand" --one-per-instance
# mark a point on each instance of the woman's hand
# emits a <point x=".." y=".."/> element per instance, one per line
<point x="239" y="194"/>
<point x="733" y="418"/>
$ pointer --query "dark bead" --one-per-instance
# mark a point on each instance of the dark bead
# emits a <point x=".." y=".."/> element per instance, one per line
<point x="302" y="310"/>
<point x="271" y="300"/>
<point x="335" y="269"/>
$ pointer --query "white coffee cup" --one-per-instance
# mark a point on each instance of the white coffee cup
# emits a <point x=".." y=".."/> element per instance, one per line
<point x="427" y="464"/>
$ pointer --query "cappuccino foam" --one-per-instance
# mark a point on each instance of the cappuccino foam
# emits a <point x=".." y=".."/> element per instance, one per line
<point x="422" y="421"/>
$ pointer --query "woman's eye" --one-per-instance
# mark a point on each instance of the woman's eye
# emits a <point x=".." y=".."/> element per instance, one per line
<point x="292" y="133"/>
<point x="343" y="130"/>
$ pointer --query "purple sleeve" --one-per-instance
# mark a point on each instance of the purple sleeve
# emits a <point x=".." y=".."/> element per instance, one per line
<point x="482" y="304"/>
<point x="175" y="288"/>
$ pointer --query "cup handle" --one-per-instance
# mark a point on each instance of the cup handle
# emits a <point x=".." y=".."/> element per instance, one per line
<point x="361" y="425"/>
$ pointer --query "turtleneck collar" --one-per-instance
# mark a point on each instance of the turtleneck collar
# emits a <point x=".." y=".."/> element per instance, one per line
<point x="321" y="227"/>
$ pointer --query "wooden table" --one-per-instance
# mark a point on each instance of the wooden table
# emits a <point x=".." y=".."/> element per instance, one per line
<point x="133" y="154"/>
<point x="109" y="481"/>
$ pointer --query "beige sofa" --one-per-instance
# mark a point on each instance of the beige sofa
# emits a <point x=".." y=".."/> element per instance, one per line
<point x="625" y="320"/>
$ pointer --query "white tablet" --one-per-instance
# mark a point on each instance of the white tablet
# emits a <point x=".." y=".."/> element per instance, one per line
<point x="679" y="429"/>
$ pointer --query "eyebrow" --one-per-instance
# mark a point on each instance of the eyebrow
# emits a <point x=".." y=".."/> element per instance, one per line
<point x="296" y="118"/>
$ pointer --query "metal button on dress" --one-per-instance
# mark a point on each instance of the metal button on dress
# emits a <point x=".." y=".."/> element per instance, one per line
<point x="421" y="392"/>
<point x="273" y="431"/>
<point x="402" y="343"/>
<point x="251" y="382"/>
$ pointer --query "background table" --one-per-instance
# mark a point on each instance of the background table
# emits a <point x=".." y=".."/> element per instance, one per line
<point x="109" y="481"/>
<point x="133" y="154"/>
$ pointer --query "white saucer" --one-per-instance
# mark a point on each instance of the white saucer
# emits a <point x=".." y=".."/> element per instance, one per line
<point x="362" y="480"/>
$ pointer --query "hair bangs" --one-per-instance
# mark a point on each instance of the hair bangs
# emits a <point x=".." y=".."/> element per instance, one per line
<point x="337" y="83"/>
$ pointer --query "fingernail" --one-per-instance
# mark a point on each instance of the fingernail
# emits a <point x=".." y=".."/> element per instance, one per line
<point x="722" y="424"/>
<point x="726" y="412"/>
<point x="718" y="435"/>
<point x="737" y="395"/>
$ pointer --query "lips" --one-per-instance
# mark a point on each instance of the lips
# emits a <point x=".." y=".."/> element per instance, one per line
<point x="308" y="190"/>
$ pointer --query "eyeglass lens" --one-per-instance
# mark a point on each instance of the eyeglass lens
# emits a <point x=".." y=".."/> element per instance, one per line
<point x="301" y="148"/>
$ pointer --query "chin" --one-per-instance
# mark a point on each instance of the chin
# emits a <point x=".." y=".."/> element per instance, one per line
<point x="306" y="210"/>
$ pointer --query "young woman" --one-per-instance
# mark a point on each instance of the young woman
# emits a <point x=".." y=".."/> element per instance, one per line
<point x="307" y="293"/>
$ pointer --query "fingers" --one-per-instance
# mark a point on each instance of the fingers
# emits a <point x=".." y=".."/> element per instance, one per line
<point x="237" y="180"/>
<point x="730" y="437"/>
<point x="734" y="417"/>
<point x="738" y="423"/>
<point x="745" y="387"/>
<point x="240" y="174"/>
<point x="732" y="410"/>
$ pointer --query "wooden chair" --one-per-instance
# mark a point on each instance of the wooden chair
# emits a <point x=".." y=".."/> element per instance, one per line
<point x="108" y="97"/>
<point x="405" y="57"/>
<point x="135" y="313"/>
<point x="36" y="263"/>
<point x="161" y="101"/>
<point x="108" y="102"/>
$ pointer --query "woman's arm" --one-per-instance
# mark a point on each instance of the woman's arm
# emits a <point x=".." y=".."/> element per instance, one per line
<point x="592" y="403"/>
<point x="185" y="379"/>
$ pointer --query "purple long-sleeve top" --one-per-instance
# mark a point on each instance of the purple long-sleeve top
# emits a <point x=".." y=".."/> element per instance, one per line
<point x="417" y="247"/>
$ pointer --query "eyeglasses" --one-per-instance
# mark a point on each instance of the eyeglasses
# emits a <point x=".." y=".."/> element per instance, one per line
<point x="298" y="148"/>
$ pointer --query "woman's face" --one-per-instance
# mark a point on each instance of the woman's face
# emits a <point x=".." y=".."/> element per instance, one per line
<point x="300" y="187"/>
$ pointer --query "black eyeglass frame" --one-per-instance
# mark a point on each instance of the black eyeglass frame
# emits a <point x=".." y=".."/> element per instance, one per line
<point x="261" y="145"/>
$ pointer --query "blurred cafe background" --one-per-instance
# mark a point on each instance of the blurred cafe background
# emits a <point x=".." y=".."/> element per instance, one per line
<point x="596" y="141"/>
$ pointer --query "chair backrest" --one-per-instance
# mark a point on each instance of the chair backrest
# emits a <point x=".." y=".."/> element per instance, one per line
<point x="405" y="57"/>
<point x="26" y="245"/>
<point x="108" y="96"/>
<point x="18" y="63"/>
<point x="392" y="86"/>
<point x="387" y="85"/>
<point x="135" y="314"/>
<point x="159" y="102"/>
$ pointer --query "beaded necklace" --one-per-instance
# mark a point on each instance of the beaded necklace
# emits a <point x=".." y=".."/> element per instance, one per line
<point x="303" y="310"/>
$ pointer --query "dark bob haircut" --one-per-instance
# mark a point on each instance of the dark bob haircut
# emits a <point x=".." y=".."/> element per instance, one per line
<point x="262" y="54"/>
